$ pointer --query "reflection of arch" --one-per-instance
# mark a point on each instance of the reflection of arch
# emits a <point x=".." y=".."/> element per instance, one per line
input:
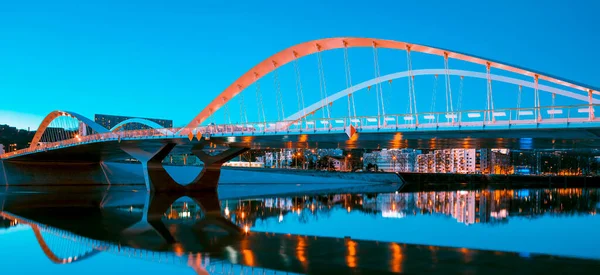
<point x="55" y="114"/>
<point x="298" y="51"/>
<point x="52" y="256"/>
<point x="142" y="121"/>
<point x="46" y="248"/>
<point x="341" y="94"/>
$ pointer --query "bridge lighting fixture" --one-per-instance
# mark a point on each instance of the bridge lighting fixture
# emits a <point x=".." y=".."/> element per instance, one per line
<point x="555" y="112"/>
<point x="525" y="113"/>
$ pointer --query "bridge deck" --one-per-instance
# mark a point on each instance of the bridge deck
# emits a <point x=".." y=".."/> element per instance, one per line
<point x="570" y="138"/>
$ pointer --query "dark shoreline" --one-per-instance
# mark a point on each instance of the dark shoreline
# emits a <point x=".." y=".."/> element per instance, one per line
<point x="422" y="181"/>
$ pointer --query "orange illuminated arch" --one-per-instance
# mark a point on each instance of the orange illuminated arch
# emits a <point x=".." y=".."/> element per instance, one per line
<point x="55" y="114"/>
<point x="298" y="51"/>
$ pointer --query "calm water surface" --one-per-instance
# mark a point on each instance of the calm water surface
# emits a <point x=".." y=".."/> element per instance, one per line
<point x="125" y="232"/>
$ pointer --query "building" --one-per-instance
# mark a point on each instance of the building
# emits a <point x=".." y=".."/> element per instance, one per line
<point x="447" y="161"/>
<point x="110" y="121"/>
<point x="2" y="149"/>
<point x="12" y="147"/>
<point x="393" y="160"/>
<point x="494" y="161"/>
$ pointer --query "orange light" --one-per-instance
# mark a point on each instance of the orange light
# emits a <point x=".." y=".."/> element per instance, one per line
<point x="178" y="249"/>
<point x="351" y="256"/>
<point x="396" y="261"/>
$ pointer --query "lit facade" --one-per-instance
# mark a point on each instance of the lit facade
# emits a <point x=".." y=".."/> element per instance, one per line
<point x="447" y="161"/>
<point x="393" y="160"/>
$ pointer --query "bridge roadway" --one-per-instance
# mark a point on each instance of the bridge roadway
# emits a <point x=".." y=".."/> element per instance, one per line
<point x="516" y="138"/>
<point x="103" y="223"/>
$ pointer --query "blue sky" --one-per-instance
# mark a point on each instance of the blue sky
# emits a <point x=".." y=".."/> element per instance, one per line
<point x="169" y="59"/>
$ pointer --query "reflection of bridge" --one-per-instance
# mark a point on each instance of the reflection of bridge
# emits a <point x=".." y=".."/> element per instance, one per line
<point x="523" y="122"/>
<point x="68" y="230"/>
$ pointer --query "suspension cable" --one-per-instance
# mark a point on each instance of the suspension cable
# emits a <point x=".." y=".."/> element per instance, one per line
<point x="260" y="107"/>
<point x="211" y="116"/>
<point x="433" y="95"/>
<point x="412" y="96"/>
<point x="490" y="98"/>
<point x="322" y="84"/>
<point x="519" y="102"/>
<point x="378" y="85"/>
<point x="449" y="104"/>
<point x="278" y="96"/>
<point x="537" y="98"/>
<point x="460" y="94"/>
<point x="226" y="116"/>
<point x="299" y="92"/>
<point x="242" y="106"/>
<point x="553" y="101"/>
<point x="349" y="83"/>
<point x="61" y="131"/>
<point x="376" y="77"/>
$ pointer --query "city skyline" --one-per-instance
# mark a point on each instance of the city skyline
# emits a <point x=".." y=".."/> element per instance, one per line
<point x="102" y="60"/>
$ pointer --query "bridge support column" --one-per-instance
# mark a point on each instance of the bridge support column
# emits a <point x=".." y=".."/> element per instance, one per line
<point x="212" y="165"/>
<point x="158" y="179"/>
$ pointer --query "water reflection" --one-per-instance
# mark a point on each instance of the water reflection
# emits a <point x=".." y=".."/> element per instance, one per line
<point x="467" y="207"/>
<point x="206" y="235"/>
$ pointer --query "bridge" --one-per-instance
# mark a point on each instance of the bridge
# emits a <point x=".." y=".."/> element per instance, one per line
<point x="530" y="110"/>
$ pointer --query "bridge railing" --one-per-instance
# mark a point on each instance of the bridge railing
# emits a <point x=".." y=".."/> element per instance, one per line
<point x="546" y="116"/>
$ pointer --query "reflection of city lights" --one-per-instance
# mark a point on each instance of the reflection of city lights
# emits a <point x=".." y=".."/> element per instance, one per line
<point x="186" y="214"/>
<point x="351" y="256"/>
<point x="396" y="261"/>
<point x="231" y="254"/>
<point x="500" y="214"/>
<point x="246" y="228"/>
<point x="243" y="215"/>
<point x="348" y="209"/>
<point x="226" y="211"/>
<point x="280" y="217"/>
<point x="392" y="214"/>
<point x="300" y="248"/>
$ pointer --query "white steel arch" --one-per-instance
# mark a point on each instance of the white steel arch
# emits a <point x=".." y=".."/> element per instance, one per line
<point x="343" y="93"/>
<point x="142" y="121"/>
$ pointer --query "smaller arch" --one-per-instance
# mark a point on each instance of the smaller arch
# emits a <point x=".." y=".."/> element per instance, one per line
<point x="142" y="121"/>
<point x="55" y="114"/>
